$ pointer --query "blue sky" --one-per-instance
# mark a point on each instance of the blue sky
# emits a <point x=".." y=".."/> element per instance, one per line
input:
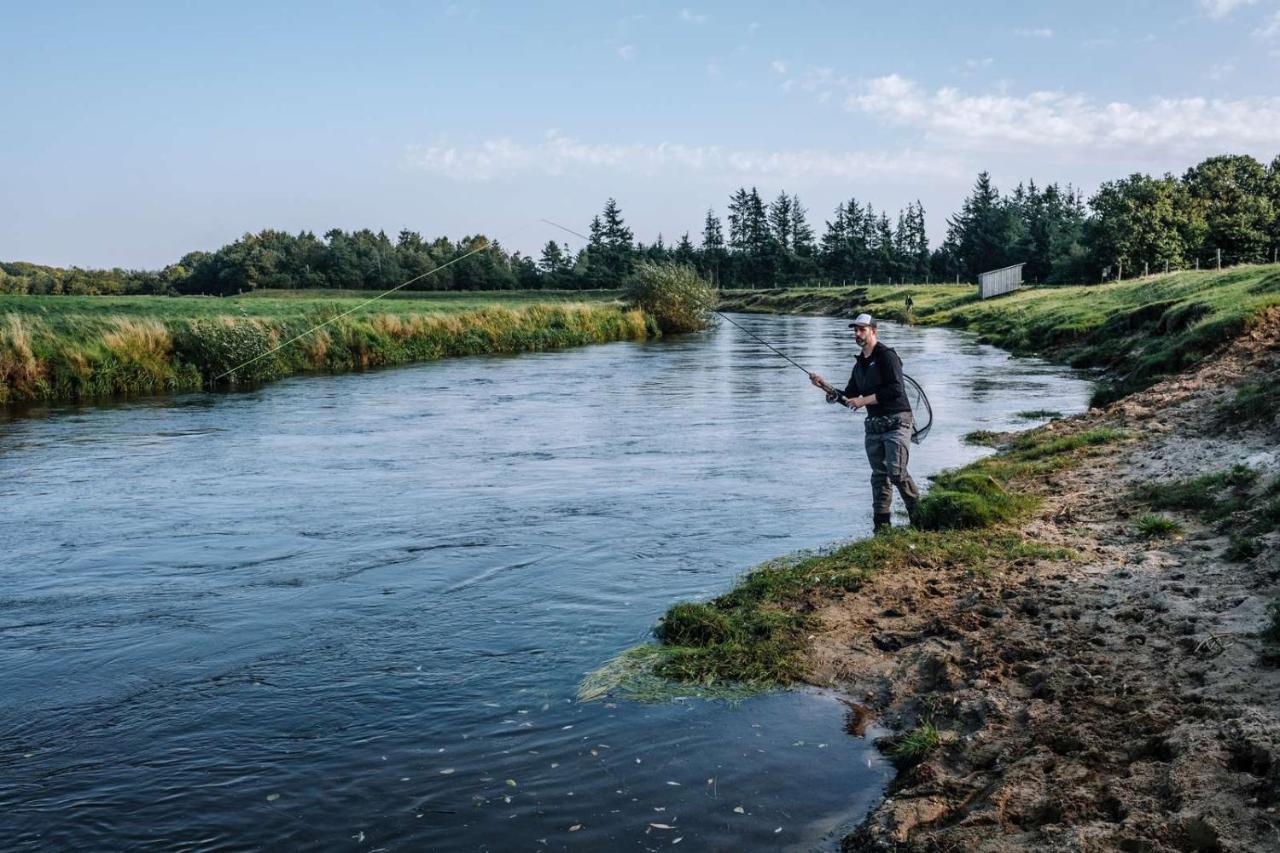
<point x="135" y="132"/>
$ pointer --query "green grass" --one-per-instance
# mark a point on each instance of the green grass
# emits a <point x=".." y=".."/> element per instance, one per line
<point x="1212" y="497"/>
<point x="1153" y="526"/>
<point x="755" y="635"/>
<point x="980" y="438"/>
<point x="1038" y="414"/>
<point x="1272" y="630"/>
<point x="80" y="348"/>
<point x="1138" y="330"/>
<point x="981" y="495"/>
<point x="1256" y="401"/>
<point x="285" y="304"/>
<point x="914" y="746"/>
<point x="1242" y="549"/>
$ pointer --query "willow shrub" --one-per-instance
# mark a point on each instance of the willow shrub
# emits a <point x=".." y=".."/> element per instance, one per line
<point x="674" y="295"/>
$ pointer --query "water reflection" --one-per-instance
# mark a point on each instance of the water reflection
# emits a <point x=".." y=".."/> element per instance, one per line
<point x="355" y="609"/>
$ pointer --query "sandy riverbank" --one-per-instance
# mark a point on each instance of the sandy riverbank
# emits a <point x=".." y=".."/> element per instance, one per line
<point x="1123" y="699"/>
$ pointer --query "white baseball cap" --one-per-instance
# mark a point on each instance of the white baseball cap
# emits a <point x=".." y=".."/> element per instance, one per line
<point x="863" y="320"/>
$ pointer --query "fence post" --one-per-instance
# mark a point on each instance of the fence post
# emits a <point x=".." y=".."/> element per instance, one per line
<point x="1144" y="269"/>
<point x="1120" y="270"/>
<point x="1197" y="265"/>
<point x="1219" y="259"/>
<point x="1166" y="265"/>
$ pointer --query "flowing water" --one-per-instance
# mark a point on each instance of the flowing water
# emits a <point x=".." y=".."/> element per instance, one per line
<point x="351" y="612"/>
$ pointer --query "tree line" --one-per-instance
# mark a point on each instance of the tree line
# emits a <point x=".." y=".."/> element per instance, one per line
<point x="1225" y="209"/>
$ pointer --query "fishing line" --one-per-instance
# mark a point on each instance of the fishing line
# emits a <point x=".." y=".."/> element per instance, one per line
<point x="826" y="387"/>
<point x="922" y="412"/>
<point x="485" y="244"/>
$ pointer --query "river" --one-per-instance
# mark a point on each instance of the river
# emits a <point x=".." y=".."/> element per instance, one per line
<point x="352" y="612"/>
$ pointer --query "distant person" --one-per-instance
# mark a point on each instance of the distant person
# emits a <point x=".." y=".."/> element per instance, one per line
<point x="876" y="382"/>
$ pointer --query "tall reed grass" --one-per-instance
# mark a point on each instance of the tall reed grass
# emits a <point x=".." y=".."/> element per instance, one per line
<point x="60" y="355"/>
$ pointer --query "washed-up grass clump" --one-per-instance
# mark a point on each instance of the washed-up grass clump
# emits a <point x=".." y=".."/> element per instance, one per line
<point x="1152" y="526"/>
<point x="980" y="438"/>
<point x="1038" y="414"/>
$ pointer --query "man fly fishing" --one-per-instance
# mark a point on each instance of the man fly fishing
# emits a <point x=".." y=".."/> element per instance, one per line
<point x="877" y="384"/>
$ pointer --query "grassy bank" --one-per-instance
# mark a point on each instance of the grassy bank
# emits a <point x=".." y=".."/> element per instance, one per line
<point x="755" y="634"/>
<point x="1136" y="331"/>
<point x="79" y="348"/>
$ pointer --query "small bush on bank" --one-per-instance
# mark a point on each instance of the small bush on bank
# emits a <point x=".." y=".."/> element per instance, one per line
<point x="1242" y="549"/>
<point x="915" y="745"/>
<point x="224" y="345"/>
<point x="676" y="296"/>
<point x="1255" y="402"/>
<point x="1153" y="526"/>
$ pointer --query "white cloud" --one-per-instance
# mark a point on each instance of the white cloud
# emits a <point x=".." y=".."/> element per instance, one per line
<point x="713" y="70"/>
<point x="559" y="155"/>
<point x="1223" y="8"/>
<point x="627" y="52"/>
<point x="1271" y="28"/>
<point x="1066" y="120"/>
<point x="778" y="66"/>
<point x="974" y="64"/>
<point x="1039" y="33"/>
<point x="692" y="17"/>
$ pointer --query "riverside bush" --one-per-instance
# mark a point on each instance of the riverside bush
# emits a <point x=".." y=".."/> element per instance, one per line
<point x="676" y="296"/>
<point x="219" y="345"/>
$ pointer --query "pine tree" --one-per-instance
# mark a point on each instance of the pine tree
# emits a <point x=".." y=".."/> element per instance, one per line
<point x="980" y="233"/>
<point x="713" y="250"/>
<point x="684" y="252"/>
<point x="781" y="221"/>
<point x="553" y="260"/>
<point x="834" y="249"/>
<point x="739" y="204"/>
<point x="801" y="233"/>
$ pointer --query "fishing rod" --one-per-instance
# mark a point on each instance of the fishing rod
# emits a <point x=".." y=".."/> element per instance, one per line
<point x="839" y="395"/>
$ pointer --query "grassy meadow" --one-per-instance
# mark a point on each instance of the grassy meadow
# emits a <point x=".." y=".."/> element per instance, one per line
<point x="1137" y="330"/>
<point x="91" y="347"/>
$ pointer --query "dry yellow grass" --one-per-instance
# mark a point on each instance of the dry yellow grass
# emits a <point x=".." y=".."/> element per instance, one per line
<point x="20" y="371"/>
<point x="142" y="340"/>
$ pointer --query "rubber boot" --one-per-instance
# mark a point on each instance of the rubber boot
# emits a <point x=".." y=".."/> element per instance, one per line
<point x="882" y="522"/>
<point x="913" y="512"/>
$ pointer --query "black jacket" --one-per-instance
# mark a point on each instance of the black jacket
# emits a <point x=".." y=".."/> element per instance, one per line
<point x="881" y="374"/>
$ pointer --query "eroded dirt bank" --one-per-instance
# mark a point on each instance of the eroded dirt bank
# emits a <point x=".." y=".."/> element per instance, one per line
<point x="1124" y="699"/>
